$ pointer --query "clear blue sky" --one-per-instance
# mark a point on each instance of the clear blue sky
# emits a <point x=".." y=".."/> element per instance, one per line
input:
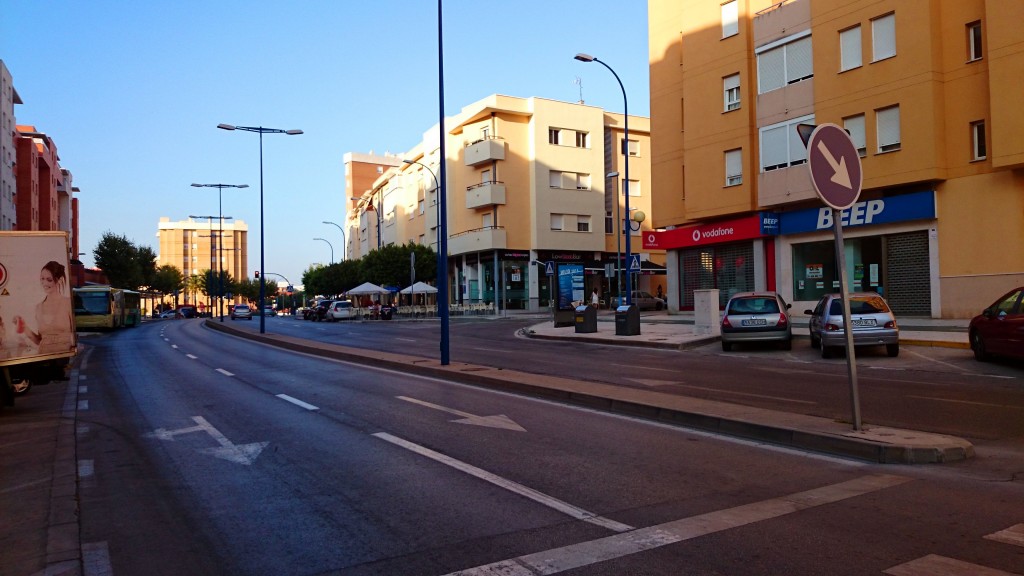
<point x="132" y="92"/>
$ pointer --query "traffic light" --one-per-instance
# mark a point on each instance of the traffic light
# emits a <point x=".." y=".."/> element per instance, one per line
<point x="257" y="273"/>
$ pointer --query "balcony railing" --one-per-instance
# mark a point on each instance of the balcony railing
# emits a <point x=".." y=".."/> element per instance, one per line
<point x="485" y="194"/>
<point x="477" y="240"/>
<point x="485" y="150"/>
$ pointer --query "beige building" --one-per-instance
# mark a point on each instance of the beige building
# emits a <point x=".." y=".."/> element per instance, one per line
<point x="526" y="185"/>
<point x="927" y="91"/>
<point x="191" y="246"/>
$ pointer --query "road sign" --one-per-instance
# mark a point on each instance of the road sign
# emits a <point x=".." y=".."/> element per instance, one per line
<point x="835" y="166"/>
<point x="634" y="263"/>
<point x="549" y="268"/>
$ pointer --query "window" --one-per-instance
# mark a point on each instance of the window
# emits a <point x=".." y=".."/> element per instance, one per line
<point x="849" y="49"/>
<point x="555" y="179"/>
<point x="888" y="120"/>
<point x="554" y="136"/>
<point x="582" y="140"/>
<point x="570" y="180"/>
<point x="583" y="181"/>
<point x="583" y="223"/>
<point x="781" y="146"/>
<point x="634" y="188"/>
<point x="883" y="37"/>
<point x="631" y="147"/>
<point x="854" y="125"/>
<point x="421" y="206"/>
<point x="974" y="41"/>
<point x="786" y="63"/>
<point x="609" y="223"/>
<point x="485" y="177"/>
<point x="557" y="221"/>
<point x="730" y="19"/>
<point x="487" y="220"/>
<point x="731" y="88"/>
<point x="978" y="140"/>
<point x="733" y="168"/>
<point x="485" y="132"/>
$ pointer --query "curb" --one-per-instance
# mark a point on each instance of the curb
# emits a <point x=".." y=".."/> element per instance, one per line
<point x="653" y="406"/>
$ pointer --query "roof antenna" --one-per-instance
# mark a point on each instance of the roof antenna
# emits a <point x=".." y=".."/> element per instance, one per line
<point x="579" y="82"/>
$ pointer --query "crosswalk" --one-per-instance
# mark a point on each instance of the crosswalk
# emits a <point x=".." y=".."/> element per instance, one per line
<point x="936" y="565"/>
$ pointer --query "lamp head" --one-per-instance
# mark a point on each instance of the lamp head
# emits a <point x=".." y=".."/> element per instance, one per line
<point x="293" y="132"/>
<point x="585" y="57"/>
<point x="194" y="185"/>
<point x="225" y="126"/>
<point x="242" y="186"/>
<point x="612" y="175"/>
<point x="638" y="216"/>
<point x="407" y="162"/>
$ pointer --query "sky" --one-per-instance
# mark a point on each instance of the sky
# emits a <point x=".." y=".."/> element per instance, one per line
<point x="131" y="94"/>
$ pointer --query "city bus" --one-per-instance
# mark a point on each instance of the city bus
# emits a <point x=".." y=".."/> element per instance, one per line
<point x="132" y="308"/>
<point x="98" y="307"/>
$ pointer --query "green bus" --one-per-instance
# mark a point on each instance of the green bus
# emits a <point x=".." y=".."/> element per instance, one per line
<point x="132" y="308"/>
<point x="98" y="307"/>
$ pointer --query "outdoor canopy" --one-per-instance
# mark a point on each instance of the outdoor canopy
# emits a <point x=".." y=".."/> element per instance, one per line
<point x="366" y="289"/>
<point x="419" y="288"/>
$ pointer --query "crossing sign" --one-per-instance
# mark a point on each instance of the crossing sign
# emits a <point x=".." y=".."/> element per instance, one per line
<point x="634" y="263"/>
<point x="549" y="268"/>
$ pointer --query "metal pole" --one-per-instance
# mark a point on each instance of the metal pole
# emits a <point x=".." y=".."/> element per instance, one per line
<point x="442" y="273"/>
<point x="851" y="359"/>
<point x="220" y="251"/>
<point x="263" y="277"/>
<point x="344" y="240"/>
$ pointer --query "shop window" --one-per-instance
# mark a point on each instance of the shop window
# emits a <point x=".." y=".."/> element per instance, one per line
<point x="815" y="273"/>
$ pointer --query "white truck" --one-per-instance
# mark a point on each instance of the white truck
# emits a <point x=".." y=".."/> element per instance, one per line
<point x="37" y="324"/>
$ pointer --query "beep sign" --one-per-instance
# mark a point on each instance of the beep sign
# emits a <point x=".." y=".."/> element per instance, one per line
<point x="902" y="208"/>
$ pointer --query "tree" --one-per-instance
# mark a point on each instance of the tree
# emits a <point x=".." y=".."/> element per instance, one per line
<point x="125" y="264"/>
<point x="167" y="279"/>
<point x="214" y="283"/>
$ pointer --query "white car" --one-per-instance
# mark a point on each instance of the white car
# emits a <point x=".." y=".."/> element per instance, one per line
<point x="339" y="310"/>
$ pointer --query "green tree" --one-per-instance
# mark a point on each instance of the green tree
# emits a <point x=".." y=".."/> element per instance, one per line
<point x="125" y="264"/>
<point x="211" y="282"/>
<point x="167" y="279"/>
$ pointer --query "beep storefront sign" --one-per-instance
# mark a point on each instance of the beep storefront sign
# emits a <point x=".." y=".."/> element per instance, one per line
<point x="903" y="208"/>
<point x="755" y="226"/>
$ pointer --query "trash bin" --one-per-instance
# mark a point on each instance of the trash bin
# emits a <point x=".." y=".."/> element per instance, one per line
<point x="586" y="319"/>
<point x="386" y="313"/>
<point x="627" y="321"/>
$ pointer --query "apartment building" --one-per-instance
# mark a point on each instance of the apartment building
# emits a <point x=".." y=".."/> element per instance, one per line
<point x="923" y="89"/>
<point x="8" y="156"/>
<point x="361" y="171"/>
<point x="525" y="182"/>
<point x="191" y="246"/>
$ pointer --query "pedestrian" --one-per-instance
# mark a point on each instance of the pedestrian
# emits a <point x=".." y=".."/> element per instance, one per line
<point x="595" y="300"/>
<point x="660" y="293"/>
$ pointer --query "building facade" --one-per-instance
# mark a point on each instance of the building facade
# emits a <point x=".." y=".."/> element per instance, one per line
<point x="191" y="246"/>
<point x="922" y="89"/>
<point x="527" y="183"/>
<point x="8" y="155"/>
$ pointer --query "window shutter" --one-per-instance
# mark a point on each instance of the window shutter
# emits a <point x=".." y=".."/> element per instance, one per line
<point x="771" y="70"/>
<point x="733" y="165"/>
<point x="849" y="46"/>
<point x="773" y="147"/>
<point x="797" y="150"/>
<point x="888" y="127"/>
<point x="798" y="60"/>
<point x="555" y="179"/>
<point x="730" y="18"/>
<point x="855" y="126"/>
<point x="883" y="37"/>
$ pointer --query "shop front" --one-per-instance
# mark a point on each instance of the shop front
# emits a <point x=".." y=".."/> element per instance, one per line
<point x="499" y="276"/>
<point x="890" y="247"/>
<point x="732" y="256"/>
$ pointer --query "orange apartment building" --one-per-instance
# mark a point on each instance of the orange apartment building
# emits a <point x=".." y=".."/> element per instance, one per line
<point x="925" y="90"/>
<point x="191" y="246"/>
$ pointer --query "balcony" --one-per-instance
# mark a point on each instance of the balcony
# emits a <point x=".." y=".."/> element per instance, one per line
<point x="485" y="150"/>
<point x="485" y="194"/>
<point x="477" y="240"/>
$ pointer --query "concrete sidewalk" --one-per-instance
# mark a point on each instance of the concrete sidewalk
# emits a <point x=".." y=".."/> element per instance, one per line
<point x="874" y="444"/>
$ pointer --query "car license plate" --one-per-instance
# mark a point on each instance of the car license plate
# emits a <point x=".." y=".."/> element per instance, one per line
<point x="863" y="321"/>
<point x="754" y="322"/>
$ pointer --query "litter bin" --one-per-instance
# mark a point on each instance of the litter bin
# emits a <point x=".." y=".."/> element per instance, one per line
<point x="627" y="321"/>
<point x="386" y="312"/>
<point x="586" y="319"/>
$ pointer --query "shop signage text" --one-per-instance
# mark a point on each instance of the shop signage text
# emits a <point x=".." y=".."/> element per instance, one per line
<point x="753" y="226"/>
<point x="902" y="208"/>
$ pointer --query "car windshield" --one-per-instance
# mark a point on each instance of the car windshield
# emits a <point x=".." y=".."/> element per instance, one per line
<point x="754" y="305"/>
<point x="242" y="308"/>
<point x="860" y="305"/>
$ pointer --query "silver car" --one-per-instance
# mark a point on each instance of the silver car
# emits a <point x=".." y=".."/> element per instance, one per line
<point x="873" y="323"/>
<point x="647" y="301"/>
<point x="756" y="317"/>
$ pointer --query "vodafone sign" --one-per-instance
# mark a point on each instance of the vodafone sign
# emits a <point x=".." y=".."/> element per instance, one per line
<point x="755" y="226"/>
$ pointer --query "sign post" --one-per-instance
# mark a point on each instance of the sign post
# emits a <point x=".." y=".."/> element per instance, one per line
<point x="837" y="177"/>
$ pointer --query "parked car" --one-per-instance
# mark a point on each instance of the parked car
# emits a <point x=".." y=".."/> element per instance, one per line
<point x="999" y="329"/>
<point x="756" y="317"/>
<point x="170" y="314"/>
<point x="187" y="311"/>
<point x="339" y="310"/>
<point x="873" y="323"/>
<point x="319" y="311"/>
<point x="269" y="311"/>
<point x="241" y="311"/>
<point x="647" y="301"/>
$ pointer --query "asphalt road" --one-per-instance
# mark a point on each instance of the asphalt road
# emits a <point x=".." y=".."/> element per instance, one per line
<point x="200" y="453"/>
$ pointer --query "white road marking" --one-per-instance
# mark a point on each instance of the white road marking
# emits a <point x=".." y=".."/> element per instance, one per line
<point x="192" y="357"/>
<point x="86" y="468"/>
<point x="238" y="453"/>
<point x="96" y="559"/>
<point x="930" y="359"/>
<point x="636" y="367"/>
<point x="964" y="402"/>
<point x="297" y="402"/>
<point x="887" y="368"/>
<point x="493" y="350"/>
<point x="748" y="394"/>
<point x="83" y="404"/>
<point x="550" y="502"/>
<point x="175" y="346"/>
<point x="611" y="547"/>
<point x="224" y="372"/>
<point x="1012" y="535"/>
<point x="935" y="565"/>
<point x="498" y="421"/>
<point x="406" y="339"/>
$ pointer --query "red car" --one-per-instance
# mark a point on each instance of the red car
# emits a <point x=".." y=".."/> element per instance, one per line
<point x="999" y="329"/>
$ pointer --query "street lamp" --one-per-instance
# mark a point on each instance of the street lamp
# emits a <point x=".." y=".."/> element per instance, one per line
<point x="261" y="131"/>
<point x="220" y="236"/>
<point x="211" y="237"/>
<point x="437" y="204"/>
<point x="329" y="244"/>
<point x="625" y="185"/>
<point x="343" y="241"/>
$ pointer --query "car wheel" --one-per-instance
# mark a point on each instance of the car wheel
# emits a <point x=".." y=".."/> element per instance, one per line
<point x="815" y="341"/>
<point x="978" y="347"/>
<point x="825" y="351"/>
<point x="726" y="346"/>
<point x="893" y="350"/>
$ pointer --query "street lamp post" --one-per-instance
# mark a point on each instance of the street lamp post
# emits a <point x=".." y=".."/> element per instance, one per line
<point x="437" y="204"/>
<point x="344" y="241"/>
<point x="261" y="131"/>
<point x="329" y="244"/>
<point x="625" y="185"/>
<point x="220" y="237"/>
<point x="618" y="235"/>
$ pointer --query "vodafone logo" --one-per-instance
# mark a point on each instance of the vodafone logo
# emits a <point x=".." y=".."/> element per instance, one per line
<point x="696" y="235"/>
<point x="3" y="275"/>
<point x="699" y="235"/>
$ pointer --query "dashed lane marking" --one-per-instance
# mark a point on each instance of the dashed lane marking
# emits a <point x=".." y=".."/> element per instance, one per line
<point x="1012" y="535"/>
<point x="96" y="559"/>
<point x="935" y="565"/>
<point x="224" y="372"/>
<point x="191" y="356"/>
<point x="297" y="402"/>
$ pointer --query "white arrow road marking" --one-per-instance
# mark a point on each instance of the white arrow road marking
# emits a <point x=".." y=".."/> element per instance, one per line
<point x="842" y="175"/>
<point x="550" y="502"/>
<point x="498" y="421"/>
<point x="238" y="453"/>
